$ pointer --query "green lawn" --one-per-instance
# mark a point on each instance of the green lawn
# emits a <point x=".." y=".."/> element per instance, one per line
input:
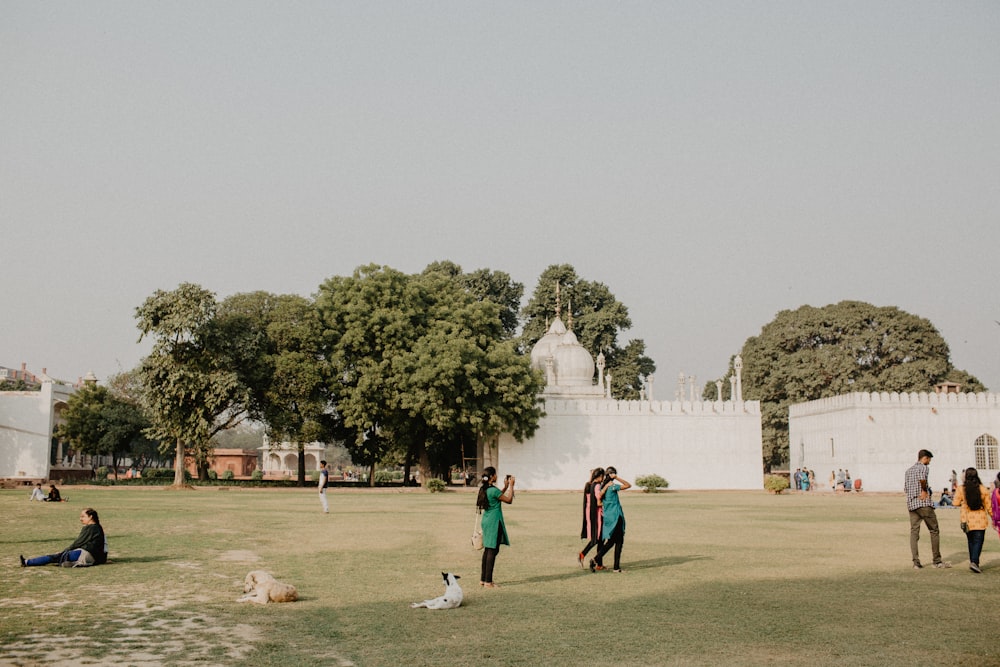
<point x="734" y="578"/>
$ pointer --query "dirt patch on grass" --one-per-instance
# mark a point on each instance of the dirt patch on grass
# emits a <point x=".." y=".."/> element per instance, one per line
<point x="145" y="635"/>
<point x="239" y="556"/>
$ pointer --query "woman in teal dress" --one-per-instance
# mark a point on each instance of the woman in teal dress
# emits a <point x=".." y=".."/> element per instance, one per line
<point x="613" y="530"/>
<point x="494" y="531"/>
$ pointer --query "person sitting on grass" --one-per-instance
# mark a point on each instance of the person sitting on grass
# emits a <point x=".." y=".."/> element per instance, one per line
<point x="89" y="548"/>
<point x="37" y="493"/>
<point x="54" y="496"/>
<point x="945" y="498"/>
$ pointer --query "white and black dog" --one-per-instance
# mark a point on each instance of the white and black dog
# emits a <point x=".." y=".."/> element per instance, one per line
<point x="452" y="594"/>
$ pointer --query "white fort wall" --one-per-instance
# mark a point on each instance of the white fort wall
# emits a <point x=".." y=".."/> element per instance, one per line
<point x="26" y="422"/>
<point x="877" y="436"/>
<point x="693" y="445"/>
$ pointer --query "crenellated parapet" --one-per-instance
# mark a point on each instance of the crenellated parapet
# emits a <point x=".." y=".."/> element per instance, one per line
<point x="556" y="407"/>
<point x="886" y="399"/>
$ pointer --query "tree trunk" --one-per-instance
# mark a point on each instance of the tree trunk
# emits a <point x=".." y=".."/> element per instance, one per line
<point x="407" y="464"/>
<point x="371" y="476"/>
<point x="423" y="464"/>
<point x="179" y="464"/>
<point x="302" y="464"/>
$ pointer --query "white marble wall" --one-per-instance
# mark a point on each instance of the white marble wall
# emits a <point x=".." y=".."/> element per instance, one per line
<point x="26" y="422"/>
<point x="876" y="436"/>
<point x="693" y="445"/>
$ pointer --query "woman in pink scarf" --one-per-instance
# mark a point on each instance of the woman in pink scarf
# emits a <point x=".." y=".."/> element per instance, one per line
<point x="995" y="504"/>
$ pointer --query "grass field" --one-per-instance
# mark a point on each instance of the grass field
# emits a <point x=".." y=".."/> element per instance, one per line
<point x="733" y="578"/>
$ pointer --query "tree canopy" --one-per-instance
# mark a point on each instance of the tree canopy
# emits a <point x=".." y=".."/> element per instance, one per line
<point x="277" y="340"/>
<point x="597" y="319"/>
<point x="812" y="353"/>
<point x="426" y="365"/>
<point x="420" y="361"/>
<point x="191" y="388"/>
<point x="100" y="422"/>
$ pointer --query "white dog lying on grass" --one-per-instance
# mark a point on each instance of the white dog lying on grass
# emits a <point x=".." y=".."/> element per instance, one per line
<point x="452" y="594"/>
<point x="261" y="587"/>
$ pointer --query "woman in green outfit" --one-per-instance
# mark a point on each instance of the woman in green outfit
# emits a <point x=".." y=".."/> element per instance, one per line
<point x="494" y="531"/>
<point x="613" y="529"/>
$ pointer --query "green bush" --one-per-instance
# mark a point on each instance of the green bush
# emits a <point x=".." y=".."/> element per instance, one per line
<point x="388" y="476"/>
<point x="213" y="475"/>
<point x="775" y="483"/>
<point x="314" y="475"/>
<point x="163" y="473"/>
<point x="227" y="474"/>
<point x="257" y="475"/>
<point x="652" y="483"/>
<point x="102" y="472"/>
<point x="435" y="485"/>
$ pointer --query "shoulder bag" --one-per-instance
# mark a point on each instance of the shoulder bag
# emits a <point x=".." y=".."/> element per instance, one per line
<point x="477" y="532"/>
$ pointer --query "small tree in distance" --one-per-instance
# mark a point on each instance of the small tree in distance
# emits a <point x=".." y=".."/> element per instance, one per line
<point x="652" y="483"/>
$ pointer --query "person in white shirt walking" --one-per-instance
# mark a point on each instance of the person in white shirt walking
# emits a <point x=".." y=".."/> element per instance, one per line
<point x="324" y="480"/>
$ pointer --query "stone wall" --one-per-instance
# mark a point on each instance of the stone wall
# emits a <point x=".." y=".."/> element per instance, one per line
<point x="691" y="444"/>
<point x="26" y="422"/>
<point x="876" y="436"/>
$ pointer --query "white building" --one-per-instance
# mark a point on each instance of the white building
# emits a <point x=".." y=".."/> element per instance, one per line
<point x="282" y="458"/>
<point x="27" y="419"/>
<point x="691" y="443"/>
<point x="877" y="436"/>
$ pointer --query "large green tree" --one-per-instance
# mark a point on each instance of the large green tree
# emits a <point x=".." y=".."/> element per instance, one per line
<point x="487" y="285"/>
<point x="190" y="387"/>
<point x="97" y="421"/>
<point x="850" y="346"/>
<point x="597" y="319"/>
<point x="276" y="344"/>
<point x="420" y="362"/>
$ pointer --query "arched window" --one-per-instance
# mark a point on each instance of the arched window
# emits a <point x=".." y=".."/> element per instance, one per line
<point x="986" y="452"/>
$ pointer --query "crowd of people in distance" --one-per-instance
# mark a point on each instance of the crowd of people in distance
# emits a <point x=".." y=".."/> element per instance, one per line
<point x="841" y="480"/>
<point x="804" y="479"/>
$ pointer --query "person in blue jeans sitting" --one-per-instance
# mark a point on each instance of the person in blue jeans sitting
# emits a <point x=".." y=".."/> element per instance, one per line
<point x="89" y="548"/>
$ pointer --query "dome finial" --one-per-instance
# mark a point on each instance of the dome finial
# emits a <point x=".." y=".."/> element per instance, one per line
<point x="569" y="316"/>
<point x="558" y="302"/>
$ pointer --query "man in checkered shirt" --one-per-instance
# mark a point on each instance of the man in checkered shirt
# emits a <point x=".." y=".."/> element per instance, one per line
<point x="921" y="507"/>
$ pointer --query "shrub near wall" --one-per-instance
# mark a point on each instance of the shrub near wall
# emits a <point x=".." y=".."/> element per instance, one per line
<point x="775" y="483"/>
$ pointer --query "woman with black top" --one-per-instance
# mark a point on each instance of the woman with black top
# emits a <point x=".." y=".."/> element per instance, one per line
<point x="592" y="516"/>
<point x="88" y="548"/>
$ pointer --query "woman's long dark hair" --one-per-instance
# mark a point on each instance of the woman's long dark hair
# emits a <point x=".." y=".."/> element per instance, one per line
<point x="488" y="473"/>
<point x="92" y="513"/>
<point x="972" y="496"/>
<point x="594" y="475"/>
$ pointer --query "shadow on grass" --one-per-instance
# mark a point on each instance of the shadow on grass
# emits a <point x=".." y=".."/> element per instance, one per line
<point x="627" y="565"/>
<point x="136" y="559"/>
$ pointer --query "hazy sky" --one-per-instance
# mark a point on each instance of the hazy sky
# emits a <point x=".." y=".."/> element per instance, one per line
<point x="713" y="163"/>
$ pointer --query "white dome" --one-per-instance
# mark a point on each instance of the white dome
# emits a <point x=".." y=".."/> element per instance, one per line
<point x="574" y="365"/>
<point x="547" y="344"/>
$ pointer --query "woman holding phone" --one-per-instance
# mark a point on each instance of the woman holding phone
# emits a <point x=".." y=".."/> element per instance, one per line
<point x="494" y="531"/>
